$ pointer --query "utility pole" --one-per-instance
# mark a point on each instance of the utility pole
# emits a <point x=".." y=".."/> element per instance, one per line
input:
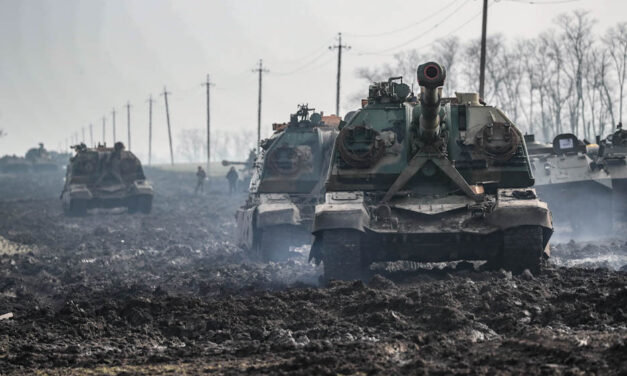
<point x="483" y="48"/>
<point x="339" y="48"/>
<point x="208" y="85"/>
<point x="113" y="114"/>
<point x="91" y="135"/>
<point x="83" y="131"/>
<point x="150" y="100"/>
<point x="167" y="116"/>
<point x="128" y="124"/>
<point x="104" y="133"/>
<point x="261" y="71"/>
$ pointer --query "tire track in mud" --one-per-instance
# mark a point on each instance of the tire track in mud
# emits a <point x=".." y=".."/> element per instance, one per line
<point x="171" y="293"/>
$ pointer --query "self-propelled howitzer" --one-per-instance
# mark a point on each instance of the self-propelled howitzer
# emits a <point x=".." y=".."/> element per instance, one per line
<point x="438" y="179"/>
<point x="287" y="183"/>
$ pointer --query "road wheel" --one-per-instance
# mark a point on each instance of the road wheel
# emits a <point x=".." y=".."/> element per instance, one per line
<point x="144" y="203"/>
<point x="78" y="208"/>
<point x="522" y="249"/>
<point x="341" y="255"/>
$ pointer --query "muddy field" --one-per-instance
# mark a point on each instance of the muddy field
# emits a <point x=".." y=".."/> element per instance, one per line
<point x="170" y="293"/>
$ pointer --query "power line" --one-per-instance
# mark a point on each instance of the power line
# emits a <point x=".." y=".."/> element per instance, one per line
<point x="208" y="86"/>
<point x="128" y="123"/>
<point x="150" y="102"/>
<point x="323" y="64"/>
<point x="167" y="114"/>
<point x="420" y="35"/>
<point x="339" y="47"/>
<point x="461" y="26"/>
<point x="260" y="69"/>
<point x="311" y="53"/>
<point x="113" y="114"/>
<point x="542" y="2"/>
<point x="407" y="27"/>
<point x="309" y="62"/>
<point x="483" y="48"/>
<point x="104" y="128"/>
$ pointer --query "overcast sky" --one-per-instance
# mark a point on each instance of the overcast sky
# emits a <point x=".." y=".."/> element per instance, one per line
<point x="67" y="63"/>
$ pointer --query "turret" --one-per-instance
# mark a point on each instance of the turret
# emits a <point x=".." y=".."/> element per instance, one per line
<point x="431" y="78"/>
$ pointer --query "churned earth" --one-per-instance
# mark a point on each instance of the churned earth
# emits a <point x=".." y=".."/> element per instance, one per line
<point x="170" y="293"/>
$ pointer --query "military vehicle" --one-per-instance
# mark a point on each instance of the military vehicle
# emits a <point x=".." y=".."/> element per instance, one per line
<point x="612" y="156"/>
<point x="287" y="183"/>
<point x="565" y="174"/>
<point x="246" y="171"/>
<point x="36" y="160"/>
<point x="14" y="164"/>
<point x="104" y="177"/>
<point x="40" y="160"/>
<point x="432" y="180"/>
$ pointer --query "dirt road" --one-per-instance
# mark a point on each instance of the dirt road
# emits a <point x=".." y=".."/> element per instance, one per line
<point x="169" y="293"/>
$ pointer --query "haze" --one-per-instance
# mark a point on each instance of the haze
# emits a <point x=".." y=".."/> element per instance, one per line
<point x="66" y="64"/>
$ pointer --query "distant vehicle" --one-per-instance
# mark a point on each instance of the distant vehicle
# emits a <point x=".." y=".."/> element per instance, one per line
<point x="612" y="156"/>
<point x="105" y="177"/>
<point x="36" y="160"/>
<point x="577" y="189"/>
<point x="429" y="181"/>
<point x="40" y="159"/>
<point x="287" y="183"/>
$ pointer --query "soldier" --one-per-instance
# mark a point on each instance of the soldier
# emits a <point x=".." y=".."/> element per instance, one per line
<point x="232" y="177"/>
<point x="201" y="175"/>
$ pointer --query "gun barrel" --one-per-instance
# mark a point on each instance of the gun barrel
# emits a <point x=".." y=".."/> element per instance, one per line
<point x="431" y="78"/>
<point x="230" y="163"/>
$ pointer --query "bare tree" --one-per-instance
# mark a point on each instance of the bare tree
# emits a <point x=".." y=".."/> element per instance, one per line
<point x="616" y="41"/>
<point x="605" y="88"/>
<point x="191" y="146"/>
<point x="576" y="34"/>
<point x="447" y="51"/>
<point x="231" y="145"/>
<point x="404" y="64"/>
<point x="558" y="87"/>
<point x="567" y="72"/>
<point x="592" y="83"/>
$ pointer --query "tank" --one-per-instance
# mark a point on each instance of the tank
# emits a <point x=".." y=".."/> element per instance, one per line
<point x="36" y="160"/>
<point x="578" y="190"/>
<point x="612" y="156"/>
<point x="104" y="177"/>
<point x="246" y="169"/>
<point x="40" y="160"/>
<point x="287" y="184"/>
<point x="428" y="180"/>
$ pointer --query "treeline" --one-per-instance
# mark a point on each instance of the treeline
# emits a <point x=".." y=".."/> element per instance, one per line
<point x="567" y="79"/>
<point x="230" y="145"/>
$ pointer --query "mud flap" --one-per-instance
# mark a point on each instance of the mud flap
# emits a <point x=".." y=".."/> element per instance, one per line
<point x="245" y="227"/>
<point x="515" y="208"/>
<point x="315" y="253"/>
